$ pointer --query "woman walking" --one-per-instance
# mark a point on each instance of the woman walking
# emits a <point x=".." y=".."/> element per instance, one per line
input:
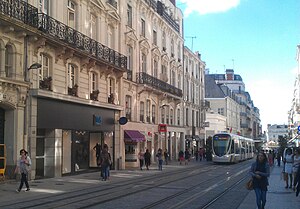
<point x="288" y="167"/>
<point x="147" y="157"/>
<point x="23" y="165"/>
<point x="260" y="171"/>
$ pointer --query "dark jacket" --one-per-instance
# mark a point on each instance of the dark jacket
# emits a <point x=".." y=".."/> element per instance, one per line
<point x="263" y="170"/>
<point x="105" y="158"/>
<point x="147" y="157"/>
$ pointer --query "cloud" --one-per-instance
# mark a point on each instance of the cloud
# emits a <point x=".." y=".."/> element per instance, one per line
<point x="208" y="6"/>
<point x="272" y="100"/>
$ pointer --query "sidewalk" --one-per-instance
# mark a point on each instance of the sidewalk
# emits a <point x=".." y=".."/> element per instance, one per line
<point x="277" y="197"/>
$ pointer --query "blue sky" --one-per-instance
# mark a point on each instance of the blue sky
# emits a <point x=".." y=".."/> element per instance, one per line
<point x="261" y="36"/>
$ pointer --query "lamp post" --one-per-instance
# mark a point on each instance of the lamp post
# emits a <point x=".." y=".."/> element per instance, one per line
<point x="34" y="66"/>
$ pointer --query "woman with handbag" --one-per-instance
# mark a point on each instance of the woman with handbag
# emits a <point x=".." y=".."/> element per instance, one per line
<point x="23" y="167"/>
<point x="260" y="171"/>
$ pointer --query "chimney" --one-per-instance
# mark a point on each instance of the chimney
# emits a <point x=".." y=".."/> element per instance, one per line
<point x="229" y="74"/>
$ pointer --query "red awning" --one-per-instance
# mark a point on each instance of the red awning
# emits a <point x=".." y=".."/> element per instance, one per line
<point x="133" y="136"/>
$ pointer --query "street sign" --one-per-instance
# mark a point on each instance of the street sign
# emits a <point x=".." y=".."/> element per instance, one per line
<point x="298" y="128"/>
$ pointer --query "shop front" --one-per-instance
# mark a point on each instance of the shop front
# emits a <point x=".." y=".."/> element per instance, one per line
<point x="133" y="140"/>
<point x="67" y="135"/>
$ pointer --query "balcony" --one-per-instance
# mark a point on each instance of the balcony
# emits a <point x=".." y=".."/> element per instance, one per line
<point x="160" y="8"/>
<point x="73" y="91"/>
<point x="144" y="78"/>
<point x="46" y="83"/>
<point x="58" y="31"/>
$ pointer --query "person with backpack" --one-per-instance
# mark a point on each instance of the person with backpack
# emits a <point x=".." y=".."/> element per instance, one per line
<point x="260" y="171"/>
<point x="23" y="167"/>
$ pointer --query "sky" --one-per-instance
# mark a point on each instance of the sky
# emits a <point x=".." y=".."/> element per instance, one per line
<point x="256" y="38"/>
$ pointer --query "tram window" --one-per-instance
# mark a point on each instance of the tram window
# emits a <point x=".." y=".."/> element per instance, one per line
<point x="232" y="147"/>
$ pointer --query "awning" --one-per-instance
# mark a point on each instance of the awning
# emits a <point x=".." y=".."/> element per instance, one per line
<point x="133" y="136"/>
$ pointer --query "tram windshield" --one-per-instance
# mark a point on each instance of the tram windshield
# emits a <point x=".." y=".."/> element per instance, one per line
<point x="221" y="143"/>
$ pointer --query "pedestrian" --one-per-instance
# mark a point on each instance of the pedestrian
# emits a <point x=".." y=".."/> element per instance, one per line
<point x="296" y="166"/>
<point x="147" y="158"/>
<point x="201" y="153"/>
<point x="288" y="167"/>
<point x="105" y="162"/>
<point x="187" y="156"/>
<point x="260" y="171"/>
<point x="159" y="158"/>
<point x="270" y="158"/>
<point x="166" y="156"/>
<point x="197" y="154"/>
<point x="278" y="157"/>
<point x="180" y="157"/>
<point x="97" y="148"/>
<point x="141" y="159"/>
<point x="298" y="183"/>
<point x="23" y="168"/>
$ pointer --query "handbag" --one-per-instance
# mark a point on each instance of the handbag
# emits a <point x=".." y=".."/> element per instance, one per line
<point x="249" y="184"/>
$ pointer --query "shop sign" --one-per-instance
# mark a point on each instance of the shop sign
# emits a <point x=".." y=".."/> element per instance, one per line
<point x="97" y="120"/>
<point x="162" y="127"/>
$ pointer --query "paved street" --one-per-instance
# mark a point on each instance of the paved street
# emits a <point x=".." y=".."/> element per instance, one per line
<point x="190" y="186"/>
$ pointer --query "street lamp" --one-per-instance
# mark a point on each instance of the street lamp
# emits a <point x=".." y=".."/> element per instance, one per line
<point x="35" y="66"/>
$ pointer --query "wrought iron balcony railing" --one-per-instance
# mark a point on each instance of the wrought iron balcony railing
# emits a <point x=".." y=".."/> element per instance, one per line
<point x="159" y="7"/>
<point x="19" y="10"/>
<point x="144" y="78"/>
<point x="29" y="15"/>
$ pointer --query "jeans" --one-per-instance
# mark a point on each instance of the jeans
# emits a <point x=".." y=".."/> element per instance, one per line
<point x="261" y="198"/>
<point x="105" y="172"/>
<point x="23" y="180"/>
<point x="160" y="162"/>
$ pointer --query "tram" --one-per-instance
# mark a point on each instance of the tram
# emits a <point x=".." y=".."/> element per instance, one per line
<point x="231" y="148"/>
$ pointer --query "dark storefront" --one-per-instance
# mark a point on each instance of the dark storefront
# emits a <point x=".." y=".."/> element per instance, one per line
<point x="72" y="130"/>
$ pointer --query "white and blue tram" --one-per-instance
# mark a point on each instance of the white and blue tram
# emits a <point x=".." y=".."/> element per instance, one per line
<point x="231" y="148"/>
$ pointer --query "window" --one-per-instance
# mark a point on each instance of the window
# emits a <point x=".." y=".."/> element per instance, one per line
<point x="164" y="42"/>
<point x="172" y="48"/>
<point x="221" y="111"/>
<point x="8" y="61"/>
<point x="193" y="117"/>
<point x="130" y="58"/>
<point x="144" y="63"/>
<point x="153" y="113"/>
<point x="179" y="51"/>
<point x="142" y="111"/>
<point x="143" y="27"/>
<point x="93" y="29"/>
<point x="129" y="15"/>
<point x="71" y="14"/>
<point x="154" y="37"/>
<point x="148" y="111"/>
<point x="178" y="117"/>
<point x="171" y="116"/>
<point x="44" y="6"/>
<point x="187" y="117"/>
<point x="111" y="87"/>
<point x="155" y="68"/>
<point x="173" y="78"/>
<point x="71" y="75"/>
<point x="163" y="115"/>
<point x="179" y="82"/>
<point x="44" y="70"/>
<point x="94" y="83"/>
<point x="167" y="115"/>
<point x="128" y="107"/>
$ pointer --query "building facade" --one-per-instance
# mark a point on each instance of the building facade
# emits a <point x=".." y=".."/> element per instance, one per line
<point x="249" y="119"/>
<point x="79" y="73"/>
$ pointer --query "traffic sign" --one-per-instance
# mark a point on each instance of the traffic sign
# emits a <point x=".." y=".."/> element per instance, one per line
<point x="298" y="128"/>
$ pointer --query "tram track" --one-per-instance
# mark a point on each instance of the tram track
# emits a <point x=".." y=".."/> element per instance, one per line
<point x="100" y="194"/>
